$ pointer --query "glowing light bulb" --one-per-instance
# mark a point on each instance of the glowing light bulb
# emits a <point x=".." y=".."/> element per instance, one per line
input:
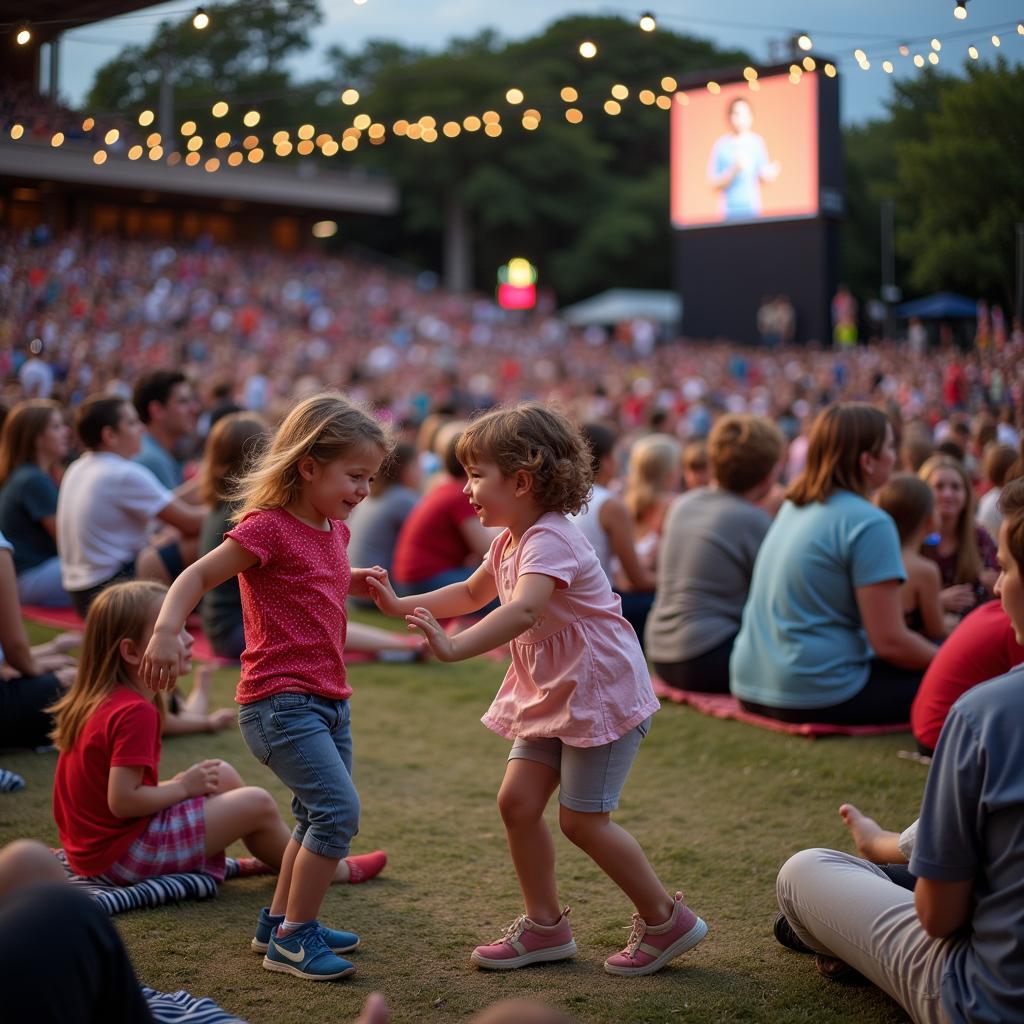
<point x="200" y="19"/>
<point x="804" y="42"/>
<point x="647" y="22"/>
<point x="588" y="49"/>
<point x="960" y="11"/>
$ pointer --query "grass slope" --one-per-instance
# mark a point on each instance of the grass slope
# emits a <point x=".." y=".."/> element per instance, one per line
<point x="717" y="805"/>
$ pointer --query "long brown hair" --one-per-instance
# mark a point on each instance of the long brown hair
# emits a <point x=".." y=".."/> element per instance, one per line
<point x="841" y="433"/>
<point x="236" y="441"/>
<point x="325" y="427"/>
<point x="968" y="557"/>
<point x="121" y="612"/>
<point x="22" y="428"/>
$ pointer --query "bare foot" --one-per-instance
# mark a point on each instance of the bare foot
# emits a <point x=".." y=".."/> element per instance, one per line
<point x="199" y="699"/>
<point x="866" y="832"/>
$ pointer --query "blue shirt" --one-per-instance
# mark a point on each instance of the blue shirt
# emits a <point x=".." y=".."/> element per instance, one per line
<point x="802" y="643"/>
<point x="742" y="196"/>
<point x="160" y="462"/>
<point x="972" y="829"/>
<point x="27" y="498"/>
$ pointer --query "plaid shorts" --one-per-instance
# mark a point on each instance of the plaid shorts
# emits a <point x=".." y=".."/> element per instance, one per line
<point x="174" y="841"/>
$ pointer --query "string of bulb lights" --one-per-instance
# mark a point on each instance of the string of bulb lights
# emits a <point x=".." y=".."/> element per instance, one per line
<point x="234" y="150"/>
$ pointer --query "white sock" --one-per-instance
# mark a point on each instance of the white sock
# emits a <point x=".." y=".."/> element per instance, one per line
<point x="286" y="927"/>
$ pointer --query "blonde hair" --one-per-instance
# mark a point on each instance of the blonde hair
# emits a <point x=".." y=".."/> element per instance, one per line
<point x="652" y="461"/>
<point x="538" y="440"/>
<point x="841" y="433"/>
<point x="23" y="427"/>
<point x="324" y="427"/>
<point x="235" y="441"/>
<point x="968" y="557"/>
<point x="121" y="612"/>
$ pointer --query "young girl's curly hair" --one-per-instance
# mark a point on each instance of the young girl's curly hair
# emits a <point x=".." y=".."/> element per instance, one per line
<point x="539" y="440"/>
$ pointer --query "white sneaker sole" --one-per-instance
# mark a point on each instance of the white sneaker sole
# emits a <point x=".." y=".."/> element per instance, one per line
<point x="681" y="945"/>
<point x="538" y="956"/>
<point x="262" y="947"/>
<point x="274" y="965"/>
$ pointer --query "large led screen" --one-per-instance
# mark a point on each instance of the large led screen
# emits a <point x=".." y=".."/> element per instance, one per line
<point x="742" y="155"/>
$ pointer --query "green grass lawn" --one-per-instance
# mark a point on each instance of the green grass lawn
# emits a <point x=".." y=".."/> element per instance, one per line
<point x="717" y="805"/>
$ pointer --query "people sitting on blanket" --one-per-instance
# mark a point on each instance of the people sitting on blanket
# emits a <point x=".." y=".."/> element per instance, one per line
<point x="823" y="637"/>
<point x="108" y="504"/>
<point x="911" y="504"/>
<point x="31" y="678"/>
<point x="33" y="445"/>
<point x="953" y="949"/>
<point x="235" y="441"/>
<point x="709" y="542"/>
<point x="114" y="817"/>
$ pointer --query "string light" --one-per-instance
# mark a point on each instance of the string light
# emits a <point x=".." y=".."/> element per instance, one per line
<point x="24" y="36"/>
<point x="350" y="97"/>
<point x="146" y="118"/>
<point x="574" y="115"/>
<point x="664" y="102"/>
<point x="88" y="124"/>
<point x="830" y="70"/>
<point x="612" y="107"/>
<point x="960" y="11"/>
<point x="918" y="60"/>
<point x="588" y="49"/>
<point x="646" y="97"/>
<point x="99" y="157"/>
<point x="668" y="84"/>
<point x="936" y="45"/>
<point x="647" y="22"/>
<point x="714" y="88"/>
<point x="887" y="66"/>
<point x="57" y="140"/>
<point x="17" y="130"/>
<point x="234" y="159"/>
<point x="809" y="64"/>
<point x="933" y="58"/>
<point x="972" y="52"/>
<point x="219" y="109"/>
<point x="569" y="94"/>
<point x="904" y="50"/>
<point x="750" y="74"/>
<point x="995" y="40"/>
<point x="251" y="119"/>
<point x="135" y="152"/>
<point x="188" y="128"/>
<point x="111" y="137"/>
<point x="620" y="92"/>
<point x="804" y="42"/>
<point x="514" y="96"/>
<point x="200" y="19"/>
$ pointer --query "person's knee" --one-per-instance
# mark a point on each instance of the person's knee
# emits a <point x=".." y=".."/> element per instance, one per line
<point x="24" y="862"/>
<point x="517" y="807"/>
<point x="796" y="872"/>
<point x="263" y="804"/>
<point x="229" y="778"/>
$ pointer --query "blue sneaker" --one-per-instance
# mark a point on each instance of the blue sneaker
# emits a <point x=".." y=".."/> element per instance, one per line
<point x="305" y="954"/>
<point x="337" y="942"/>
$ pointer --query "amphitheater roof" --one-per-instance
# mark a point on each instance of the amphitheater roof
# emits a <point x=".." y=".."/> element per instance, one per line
<point x="51" y="17"/>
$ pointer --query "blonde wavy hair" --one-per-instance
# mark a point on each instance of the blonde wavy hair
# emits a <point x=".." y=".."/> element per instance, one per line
<point x="122" y="612"/>
<point x="324" y="427"/>
<point x="654" y="465"/>
<point x="538" y="440"/>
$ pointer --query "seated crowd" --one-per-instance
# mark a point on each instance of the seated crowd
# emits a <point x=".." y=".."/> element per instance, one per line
<point x="826" y="551"/>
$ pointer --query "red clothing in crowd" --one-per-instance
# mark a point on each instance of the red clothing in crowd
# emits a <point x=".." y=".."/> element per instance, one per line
<point x="124" y="731"/>
<point x="430" y="541"/>
<point x="982" y="647"/>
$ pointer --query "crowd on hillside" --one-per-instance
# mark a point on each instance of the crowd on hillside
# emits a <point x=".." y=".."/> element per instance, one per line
<point x="831" y="537"/>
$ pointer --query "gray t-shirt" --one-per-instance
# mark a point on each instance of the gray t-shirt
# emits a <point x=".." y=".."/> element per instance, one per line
<point x="972" y="828"/>
<point x="709" y="541"/>
<point x="375" y="523"/>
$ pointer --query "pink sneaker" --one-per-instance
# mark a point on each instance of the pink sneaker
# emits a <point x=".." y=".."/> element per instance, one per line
<point x="650" y="947"/>
<point x="526" y="942"/>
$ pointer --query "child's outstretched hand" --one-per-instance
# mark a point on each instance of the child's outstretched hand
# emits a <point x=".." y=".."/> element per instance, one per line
<point x="358" y="587"/>
<point x="383" y="593"/>
<point x="201" y="779"/>
<point x="440" y="642"/>
<point x="161" y="663"/>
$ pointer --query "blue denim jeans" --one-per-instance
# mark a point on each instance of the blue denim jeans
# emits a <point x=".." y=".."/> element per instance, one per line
<point x="306" y="741"/>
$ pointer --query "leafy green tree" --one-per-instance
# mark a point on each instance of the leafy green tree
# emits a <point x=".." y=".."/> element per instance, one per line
<point x="963" y="183"/>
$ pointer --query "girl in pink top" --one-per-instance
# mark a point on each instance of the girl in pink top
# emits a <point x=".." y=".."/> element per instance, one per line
<point x="290" y="552"/>
<point x="577" y="698"/>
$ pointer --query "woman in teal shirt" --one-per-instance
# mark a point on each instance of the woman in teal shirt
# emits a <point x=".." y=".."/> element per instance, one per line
<point x="823" y="637"/>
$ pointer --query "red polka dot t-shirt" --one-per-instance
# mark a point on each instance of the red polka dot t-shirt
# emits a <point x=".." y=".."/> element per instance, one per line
<point x="293" y="606"/>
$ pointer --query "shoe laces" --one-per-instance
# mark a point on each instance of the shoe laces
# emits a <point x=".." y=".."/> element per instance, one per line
<point x="514" y="930"/>
<point x="636" y="935"/>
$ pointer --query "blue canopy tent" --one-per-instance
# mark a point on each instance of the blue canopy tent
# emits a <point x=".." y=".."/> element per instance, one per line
<point x="940" y="306"/>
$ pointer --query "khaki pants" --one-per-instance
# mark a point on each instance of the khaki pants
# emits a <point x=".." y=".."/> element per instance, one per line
<point x="845" y="907"/>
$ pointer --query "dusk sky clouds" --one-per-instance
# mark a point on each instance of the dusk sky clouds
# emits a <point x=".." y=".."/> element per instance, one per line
<point x="837" y="27"/>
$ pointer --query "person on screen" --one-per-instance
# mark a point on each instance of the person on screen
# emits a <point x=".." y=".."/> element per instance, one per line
<point x="738" y="164"/>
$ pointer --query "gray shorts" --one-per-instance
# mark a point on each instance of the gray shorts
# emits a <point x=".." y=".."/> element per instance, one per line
<point x="590" y="778"/>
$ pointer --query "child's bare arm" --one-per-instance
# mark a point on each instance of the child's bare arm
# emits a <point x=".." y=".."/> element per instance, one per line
<point x="160" y="662"/>
<point x="447" y="603"/>
<point x="529" y="599"/>
<point x="127" y="797"/>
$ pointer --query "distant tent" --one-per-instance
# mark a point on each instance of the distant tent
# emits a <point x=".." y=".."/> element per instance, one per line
<point x="619" y="304"/>
<point x="940" y="306"/>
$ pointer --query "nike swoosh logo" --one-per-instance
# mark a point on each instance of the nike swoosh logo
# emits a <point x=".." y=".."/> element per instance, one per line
<point x="296" y="958"/>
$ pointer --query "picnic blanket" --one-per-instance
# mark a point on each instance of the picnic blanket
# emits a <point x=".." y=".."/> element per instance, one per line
<point x="182" y="1008"/>
<point x="724" y="705"/>
<point x="155" y="892"/>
